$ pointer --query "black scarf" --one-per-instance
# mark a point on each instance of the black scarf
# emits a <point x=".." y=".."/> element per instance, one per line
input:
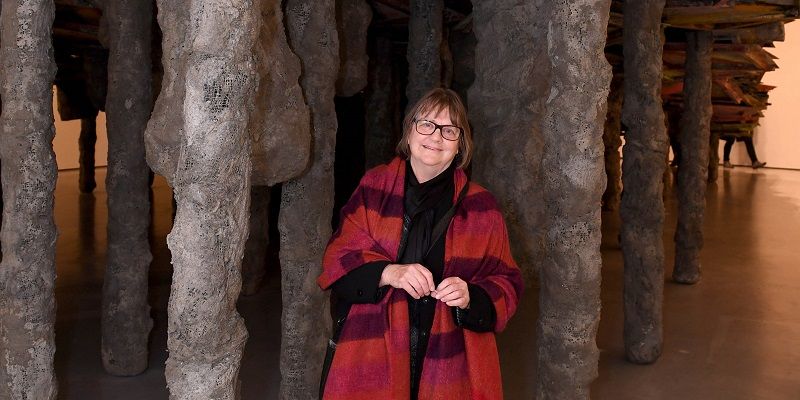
<point x="424" y="204"/>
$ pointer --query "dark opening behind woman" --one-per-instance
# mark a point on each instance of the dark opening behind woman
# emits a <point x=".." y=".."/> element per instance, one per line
<point x="421" y="272"/>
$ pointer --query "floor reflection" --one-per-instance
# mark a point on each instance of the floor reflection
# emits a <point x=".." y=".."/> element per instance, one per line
<point x="735" y="335"/>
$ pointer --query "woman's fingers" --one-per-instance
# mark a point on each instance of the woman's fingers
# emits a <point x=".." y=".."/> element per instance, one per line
<point x="417" y="281"/>
<point x="453" y="291"/>
<point x="426" y="273"/>
<point x="455" y="294"/>
<point x="422" y="278"/>
<point x="414" y="279"/>
<point x="460" y="303"/>
<point x="448" y="285"/>
<point x="410" y="290"/>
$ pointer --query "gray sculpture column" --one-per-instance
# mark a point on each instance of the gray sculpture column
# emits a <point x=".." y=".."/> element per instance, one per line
<point x="353" y="17"/>
<point x="573" y="174"/>
<point x="28" y="235"/>
<point x="307" y="203"/>
<point x="693" y="171"/>
<point x="86" y="144"/>
<point x="280" y="128"/>
<point x="642" y="212"/>
<point x="254" y="264"/>
<point x="379" y="140"/>
<point x="212" y="189"/>
<point x="126" y="321"/>
<point x="507" y="107"/>
<point x="424" y="47"/>
<point x="612" y="142"/>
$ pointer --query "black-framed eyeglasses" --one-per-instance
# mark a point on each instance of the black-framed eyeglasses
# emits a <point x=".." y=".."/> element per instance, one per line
<point x="448" y="132"/>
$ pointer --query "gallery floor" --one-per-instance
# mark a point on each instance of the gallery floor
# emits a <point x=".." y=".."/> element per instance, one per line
<point x="733" y="336"/>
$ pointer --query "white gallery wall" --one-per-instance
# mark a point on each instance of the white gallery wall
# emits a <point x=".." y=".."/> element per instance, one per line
<point x="777" y="139"/>
<point x="65" y="144"/>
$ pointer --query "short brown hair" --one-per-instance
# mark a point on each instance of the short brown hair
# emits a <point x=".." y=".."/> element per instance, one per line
<point x="435" y="101"/>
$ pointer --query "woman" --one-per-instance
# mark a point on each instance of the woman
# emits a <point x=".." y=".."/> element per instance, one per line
<point x="421" y="271"/>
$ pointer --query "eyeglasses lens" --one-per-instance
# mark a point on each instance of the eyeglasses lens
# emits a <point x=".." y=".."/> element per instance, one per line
<point x="448" y="132"/>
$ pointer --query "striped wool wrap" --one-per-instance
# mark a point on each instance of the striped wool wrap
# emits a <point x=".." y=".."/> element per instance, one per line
<point x="372" y="356"/>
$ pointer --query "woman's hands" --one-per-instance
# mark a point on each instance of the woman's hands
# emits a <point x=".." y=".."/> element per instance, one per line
<point x="417" y="281"/>
<point x="453" y="291"/>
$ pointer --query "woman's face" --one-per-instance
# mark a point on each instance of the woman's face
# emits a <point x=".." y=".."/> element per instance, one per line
<point x="432" y="152"/>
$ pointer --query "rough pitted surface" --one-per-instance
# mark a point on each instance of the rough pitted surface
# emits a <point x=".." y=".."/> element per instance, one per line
<point x="307" y="204"/>
<point x="28" y="235"/>
<point x="254" y="265"/>
<point x="353" y="17"/>
<point x="569" y="299"/>
<point x="211" y="183"/>
<point x="2" y="376"/>
<point x="380" y="141"/>
<point x="462" y="42"/>
<point x="126" y="321"/>
<point x="446" y="55"/>
<point x="165" y="127"/>
<point x="506" y="109"/>
<point x="280" y="123"/>
<point x="424" y="48"/>
<point x="612" y="142"/>
<point x="86" y="144"/>
<point x="645" y="151"/>
<point x="693" y="171"/>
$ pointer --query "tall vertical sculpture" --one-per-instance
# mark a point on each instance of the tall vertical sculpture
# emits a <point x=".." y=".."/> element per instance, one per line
<point x="642" y="212"/>
<point x="693" y="171"/>
<point x="353" y="17"/>
<point x="425" y="24"/>
<point x="307" y="203"/>
<point x="209" y="80"/>
<point x="507" y="107"/>
<point x="126" y="321"/>
<point x="612" y="140"/>
<point x="569" y="299"/>
<point x="28" y="234"/>
<point x="86" y="145"/>
<point x="379" y="138"/>
<point x="254" y="264"/>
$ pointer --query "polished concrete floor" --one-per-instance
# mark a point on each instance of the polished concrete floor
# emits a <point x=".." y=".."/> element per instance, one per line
<point x="735" y="335"/>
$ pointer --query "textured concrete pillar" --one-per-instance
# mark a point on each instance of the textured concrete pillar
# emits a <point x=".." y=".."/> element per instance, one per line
<point x="462" y="43"/>
<point x="254" y="265"/>
<point x="612" y="142"/>
<point x="353" y="17"/>
<point x="379" y="140"/>
<point x="507" y="107"/>
<point x="280" y="124"/>
<point x="86" y="144"/>
<point x="2" y="376"/>
<point x="206" y="335"/>
<point x="446" y="55"/>
<point x="569" y="299"/>
<point x="166" y="125"/>
<point x="28" y="235"/>
<point x="424" y="48"/>
<point x="126" y="321"/>
<point x="713" y="157"/>
<point x="307" y="203"/>
<point x="642" y="209"/>
<point x="693" y="171"/>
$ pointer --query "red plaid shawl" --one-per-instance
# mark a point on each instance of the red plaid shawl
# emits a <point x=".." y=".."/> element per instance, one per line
<point x="372" y="356"/>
